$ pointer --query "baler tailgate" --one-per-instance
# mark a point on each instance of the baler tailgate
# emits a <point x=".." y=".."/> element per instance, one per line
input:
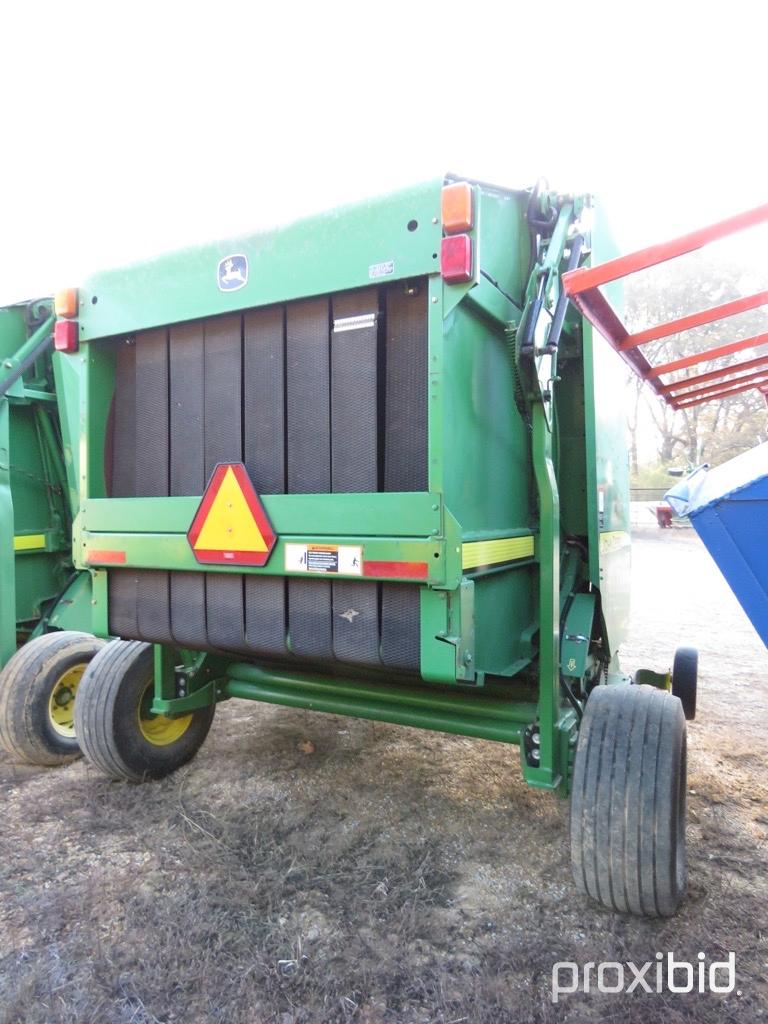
<point x="317" y="396"/>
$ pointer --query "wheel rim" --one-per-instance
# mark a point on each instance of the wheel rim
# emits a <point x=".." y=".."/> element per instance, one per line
<point x="61" y="703"/>
<point x="159" y="730"/>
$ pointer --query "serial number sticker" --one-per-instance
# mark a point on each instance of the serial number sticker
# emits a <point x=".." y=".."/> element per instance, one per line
<point x="336" y="558"/>
<point x="385" y="269"/>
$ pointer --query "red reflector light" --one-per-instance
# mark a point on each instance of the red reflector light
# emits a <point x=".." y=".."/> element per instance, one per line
<point x="456" y="207"/>
<point x="97" y="557"/>
<point x="65" y="336"/>
<point x="456" y="259"/>
<point x="400" y="570"/>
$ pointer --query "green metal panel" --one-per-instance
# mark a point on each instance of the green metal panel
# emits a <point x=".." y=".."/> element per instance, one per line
<point x="35" y="493"/>
<point x="377" y="241"/>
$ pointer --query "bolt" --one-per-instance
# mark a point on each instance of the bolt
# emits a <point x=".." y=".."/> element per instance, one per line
<point x="434" y="220"/>
<point x="434" y="298"/>
<point x="435" y="508"/>
<point x="8" y="364"/>
<point x="467" y="658"/>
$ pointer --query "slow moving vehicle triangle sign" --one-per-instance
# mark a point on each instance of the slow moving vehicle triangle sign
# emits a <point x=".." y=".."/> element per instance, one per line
<point x="231" y="526"/>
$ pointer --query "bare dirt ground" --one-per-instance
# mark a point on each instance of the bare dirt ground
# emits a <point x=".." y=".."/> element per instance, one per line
<point x="391" y="875"/>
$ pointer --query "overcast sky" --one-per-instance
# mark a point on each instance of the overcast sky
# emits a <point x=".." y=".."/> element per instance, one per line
<point x="132" y="128"/>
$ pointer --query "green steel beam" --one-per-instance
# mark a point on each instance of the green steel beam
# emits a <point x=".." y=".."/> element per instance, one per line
<point x="481" y="715"/>
<point x="406" y="515"/>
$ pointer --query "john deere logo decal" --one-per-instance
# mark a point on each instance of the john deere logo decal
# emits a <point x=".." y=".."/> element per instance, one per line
<point x="232" y="273"/>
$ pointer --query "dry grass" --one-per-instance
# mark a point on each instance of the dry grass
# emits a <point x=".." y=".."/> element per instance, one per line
<point x="390" y="876"/>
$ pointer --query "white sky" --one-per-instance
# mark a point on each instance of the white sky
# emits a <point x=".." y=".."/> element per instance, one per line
<point x="130" y="128"/>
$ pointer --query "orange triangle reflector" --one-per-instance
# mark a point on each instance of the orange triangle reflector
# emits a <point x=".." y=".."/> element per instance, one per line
<point x="231" y="526"/>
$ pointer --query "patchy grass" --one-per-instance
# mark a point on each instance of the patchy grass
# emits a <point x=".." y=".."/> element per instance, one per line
<point x="388" y="875"/>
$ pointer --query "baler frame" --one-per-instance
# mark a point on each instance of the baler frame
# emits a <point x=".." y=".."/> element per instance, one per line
<point x="151" y="532"/>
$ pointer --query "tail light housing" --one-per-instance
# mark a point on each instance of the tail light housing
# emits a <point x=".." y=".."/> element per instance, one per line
<point x="456" y="259"/>
<point x="65" y="335"/>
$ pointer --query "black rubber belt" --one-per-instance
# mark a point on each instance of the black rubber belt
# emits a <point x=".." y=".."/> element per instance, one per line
<point x="264" y="456"/>
<point x="308" y="440"/>
<point x="222" y="382"/>
<point x="153" y="613"/>
<point x="354" y="458"/>
<point x="123" y="584"/>
<point x="187" y="470"/>
<point x="405" y="456"/>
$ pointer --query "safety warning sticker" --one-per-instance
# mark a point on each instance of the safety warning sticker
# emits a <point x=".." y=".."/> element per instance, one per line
<point x="337" y="558"/>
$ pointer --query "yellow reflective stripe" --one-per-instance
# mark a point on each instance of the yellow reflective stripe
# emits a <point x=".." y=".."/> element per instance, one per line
<point x="490" y="552"/>
<point x="613" y="540"/>
<point x="29" y="542"/>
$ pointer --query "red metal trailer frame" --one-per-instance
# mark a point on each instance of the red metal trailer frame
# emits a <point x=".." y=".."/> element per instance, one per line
<point x="583" y="288"/>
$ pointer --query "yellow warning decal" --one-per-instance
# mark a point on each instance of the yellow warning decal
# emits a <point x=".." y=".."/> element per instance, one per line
<point x="30" y="542"/>
<point x="491" y="552"/>
<point x="231" y="526"/>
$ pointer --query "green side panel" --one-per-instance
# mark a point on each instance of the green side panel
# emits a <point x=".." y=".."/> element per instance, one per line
<point x="376" y="241"/>
<point x="574" y="648"/>
<point x="486" y="460"/>
<point x="74" y="610"/>
<point x="68" y="375"/>
<point x="504" y="610"/>
<point x="570" y="457"/>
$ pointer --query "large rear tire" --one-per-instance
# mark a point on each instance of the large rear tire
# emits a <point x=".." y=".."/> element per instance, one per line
<point x="628" y="801"/>
<point x="38" y="686"/>
<point x="117" y="731"/>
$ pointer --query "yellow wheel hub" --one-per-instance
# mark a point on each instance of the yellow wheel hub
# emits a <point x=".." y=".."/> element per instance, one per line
<point x="160" y="730"/>
<point x="61" y="703"/>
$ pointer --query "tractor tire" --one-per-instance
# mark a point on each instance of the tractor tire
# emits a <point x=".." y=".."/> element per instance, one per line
<point x="685" y="672"/>
<point x="37" y="697"/>
<point x="628" y="801"/>
<point x="118" y="733"/>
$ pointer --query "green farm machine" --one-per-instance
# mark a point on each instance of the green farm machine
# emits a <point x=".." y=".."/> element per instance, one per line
<point x="45" y="603"/>
<point x="371" y="463"/>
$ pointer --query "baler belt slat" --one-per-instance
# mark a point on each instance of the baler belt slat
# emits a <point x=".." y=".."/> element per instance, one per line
<point x="264" y="456"/>
<point x="153" y="613"/>
<point x="355" y="458"/>
<point x="122" y="592"/>
<point x="124" y="425"/>
<point x="309" y="459"/>
<point x="405" y="456"/>
<point x="222" y="383"/>
<point x="187" y="469"/>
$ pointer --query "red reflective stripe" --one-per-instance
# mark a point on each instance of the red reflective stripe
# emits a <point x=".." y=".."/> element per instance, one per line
<point x="105" y="557"/>
<point x="402" y="570"/>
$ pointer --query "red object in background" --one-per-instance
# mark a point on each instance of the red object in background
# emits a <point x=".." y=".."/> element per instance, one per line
<point x="456" y="259"/>
<point x="664" y="516"/>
